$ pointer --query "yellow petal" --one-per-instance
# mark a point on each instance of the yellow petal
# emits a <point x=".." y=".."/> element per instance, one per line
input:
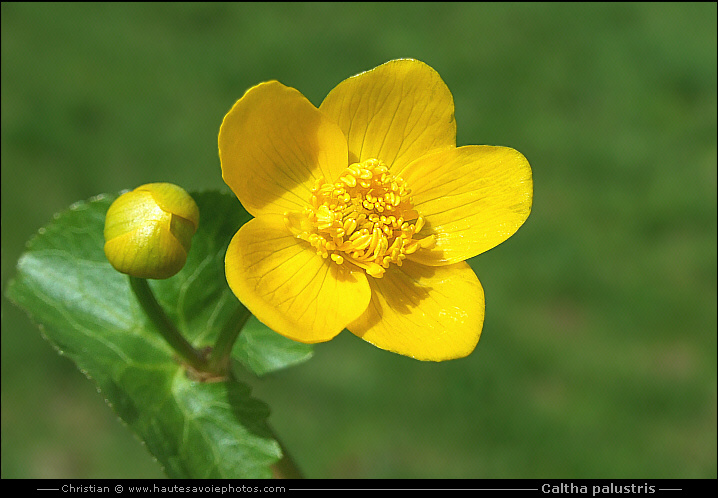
<point x="288" y="286"/>
<point x="273" y="145"/>
<point x="473" y="198"/>
<point x="428" y="313"/>
<point x="396" y="112"/>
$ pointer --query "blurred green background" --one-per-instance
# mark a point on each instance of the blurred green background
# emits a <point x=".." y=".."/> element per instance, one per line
<point x="598" y="356"/>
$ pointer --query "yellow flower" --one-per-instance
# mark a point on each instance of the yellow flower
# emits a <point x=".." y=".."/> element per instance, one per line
<point x="365" y="210"/>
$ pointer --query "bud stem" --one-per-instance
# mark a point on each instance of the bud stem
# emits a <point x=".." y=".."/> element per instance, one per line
<point x="165" y="326"/>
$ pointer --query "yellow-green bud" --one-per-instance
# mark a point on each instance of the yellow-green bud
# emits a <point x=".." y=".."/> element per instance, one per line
<point x="148" y="231"/>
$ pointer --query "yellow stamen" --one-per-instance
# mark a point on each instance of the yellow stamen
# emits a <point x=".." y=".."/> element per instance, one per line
<point x="366" y="218"/>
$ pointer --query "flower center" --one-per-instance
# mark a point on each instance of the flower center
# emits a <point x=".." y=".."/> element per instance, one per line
<point x="366" y="218"/>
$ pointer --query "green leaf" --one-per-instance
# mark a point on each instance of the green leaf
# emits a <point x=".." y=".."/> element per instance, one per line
<point x="262" y="350"/>
<point x="88" y="312"/>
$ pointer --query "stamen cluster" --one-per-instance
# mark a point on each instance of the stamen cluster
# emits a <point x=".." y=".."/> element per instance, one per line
<point x="366" y="218"/>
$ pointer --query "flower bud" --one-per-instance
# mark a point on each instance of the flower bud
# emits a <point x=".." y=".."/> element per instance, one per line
<point x="148" y="231"/>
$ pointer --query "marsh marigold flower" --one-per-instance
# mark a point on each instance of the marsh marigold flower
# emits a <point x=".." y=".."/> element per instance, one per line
<point x="365" y="210"/>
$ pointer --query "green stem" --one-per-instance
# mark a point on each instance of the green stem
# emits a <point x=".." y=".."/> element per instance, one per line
<point x="165" y="326"/>
<point x="286" y="467"/>
<point x="219" y="357"/>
